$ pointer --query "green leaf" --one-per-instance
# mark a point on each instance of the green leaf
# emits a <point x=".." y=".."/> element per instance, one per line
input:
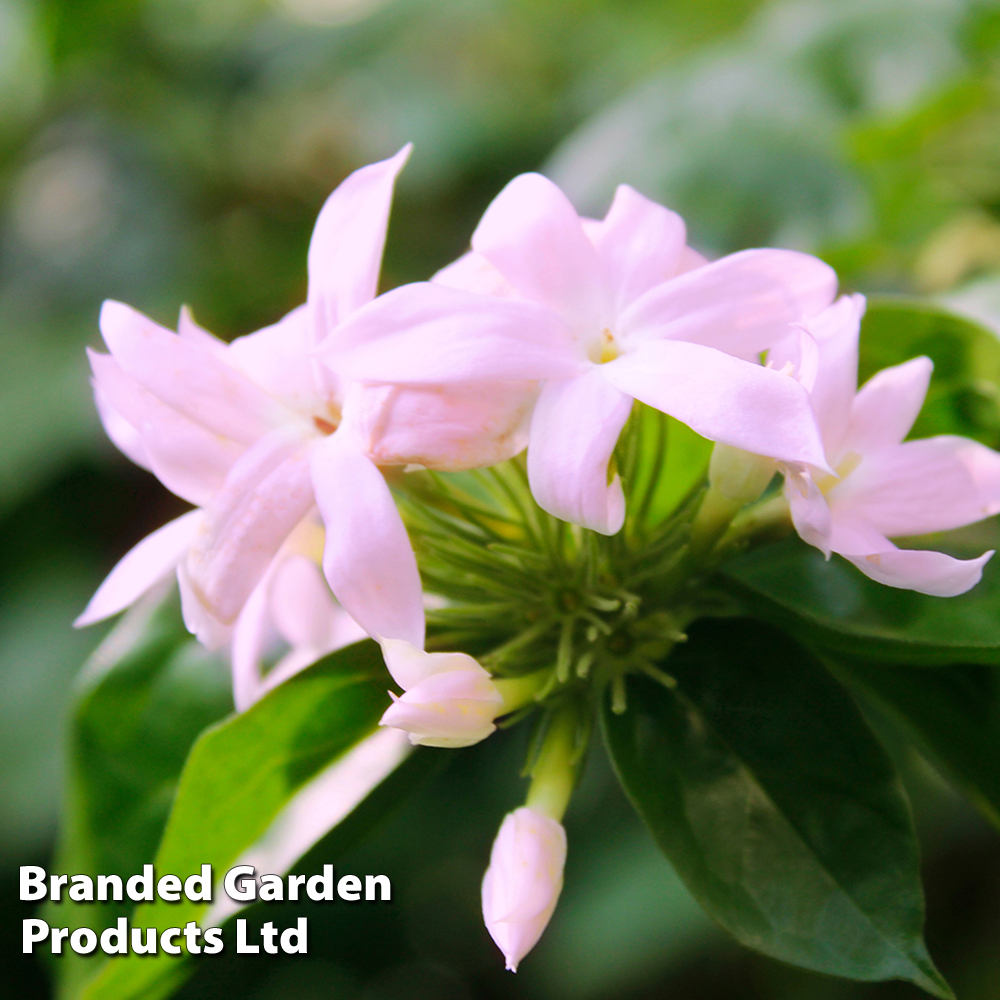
<point x="952" y="714"/>
<point x="834" y="607"/>
<point x="141" y="701"/>
<point x="238" y="777"/>
<point x="777" y="806"/>
<point x="964" y="397"/>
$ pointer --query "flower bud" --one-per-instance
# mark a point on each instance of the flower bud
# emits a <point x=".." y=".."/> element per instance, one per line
<point x="449" y="700"/>
<point x="738" y="475"/>
<point x="522" y="884"/>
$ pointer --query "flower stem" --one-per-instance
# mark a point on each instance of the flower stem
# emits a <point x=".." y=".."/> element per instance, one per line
<point x="553" y="775"/>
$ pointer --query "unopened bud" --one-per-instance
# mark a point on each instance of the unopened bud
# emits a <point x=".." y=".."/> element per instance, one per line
<point x="738" y="475"/>
<point x="449" y="699"/>
<point x="523" y="881"/>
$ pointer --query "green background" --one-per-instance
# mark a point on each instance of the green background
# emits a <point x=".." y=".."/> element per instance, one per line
<point x="175" y="151"/>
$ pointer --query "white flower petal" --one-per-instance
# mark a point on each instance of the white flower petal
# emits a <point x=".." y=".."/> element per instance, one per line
<point x="722" y="398"/>
<point x="809" y="509"/>
<point x="368" y="560"/>
<point x="573" y="432"/>
<point x="532" y="235"/>
<point x="152" y="560"/>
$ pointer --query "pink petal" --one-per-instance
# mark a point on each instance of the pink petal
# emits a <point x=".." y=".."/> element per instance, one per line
<point x="152" y="560"/>
<point x="532" y="235"/>
<point x="345" y="253"/>
<point x="809" y="509"/>
<point x="278" y="359"/>
<point x="189" y="460"/>
<point x="305" y="611"/>
<point x="722" y="398"/>
<point x="449" y="427"/>
<point x="368" y="560"/>
<point x="836" y="331"/>
<point x="432" y="334"/>
<point x="919" y="487"/>
<point x="186" y="376"/>
<point x="640" y="245"/>
<point x="121" y="433"/>
<point x="573" y="433"/>
<point x="198" y="619"/>
<point x="188" y="329"/>
<point x="474" y="273"/>
<point x="741" y="304"/>
<point x="887" y="405"/>
<point x="268" y="491"/>
<point x="251" y="635"/>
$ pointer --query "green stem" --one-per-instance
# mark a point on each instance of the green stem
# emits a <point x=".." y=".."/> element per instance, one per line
<point x="519" y="691"/>
<point x="553" y="774"/>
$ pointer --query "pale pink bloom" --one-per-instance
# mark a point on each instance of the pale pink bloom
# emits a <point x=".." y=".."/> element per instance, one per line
<point x="449" y="700"/>
<point x="605" y="312"/>
<point x="523" y="881"/>
<point x="248" y="432"/>
<point x="884" y="486"/>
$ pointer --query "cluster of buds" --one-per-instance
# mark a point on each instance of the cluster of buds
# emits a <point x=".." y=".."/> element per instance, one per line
<point x="320" y="451"/>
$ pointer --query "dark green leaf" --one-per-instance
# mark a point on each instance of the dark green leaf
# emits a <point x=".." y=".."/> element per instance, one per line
<point x="777" y="806"/>
<point x="964" y="396"/>
<point x="238" y="777"/>
<point x="833" y="606"/>
<point x="953" y="715"/>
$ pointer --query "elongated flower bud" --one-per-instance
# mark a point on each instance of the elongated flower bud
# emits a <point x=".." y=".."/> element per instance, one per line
<point x="523" y="882"/>
<point x="449" y="700"/>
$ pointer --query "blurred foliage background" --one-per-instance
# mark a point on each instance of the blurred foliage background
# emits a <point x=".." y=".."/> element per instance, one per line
<point x="169" y="151"/>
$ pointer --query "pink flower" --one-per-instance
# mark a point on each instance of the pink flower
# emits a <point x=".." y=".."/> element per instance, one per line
<point x="249" y="434"/>
<point x="449" y="699"/>
<point x="523" y="882"/>
<point x="884" y="486"/>
<point x="606" y="313"/>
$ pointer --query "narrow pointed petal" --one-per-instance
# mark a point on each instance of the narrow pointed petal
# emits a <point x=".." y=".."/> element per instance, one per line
<point x="121" y="433"/>
<point x="640" y="245"/>
<point x="152" y="560"/>
<point x="722" y="398"/>
<point x="919" y="487"/>
<point x="251" y="633"/>
<point x="188" y="329"/>
<point x="345" y="252"/>
<point x="278" y="358"/>
<point x="409" y="665"/>
<point x="523" y="882"/>
<point x="368" y="560"/>
<point x="532" y="235"/>
<point x="474" y="273"/>
<point x="198" y="619"/>
<point x="741" y="304"/>
<point x="426" y="333"/>
<point x="189" y="460"/>
<point x="305" y="611"/>
<point x="887" y="405"/>
<point x="809" y="509"/>
<point x="187" y="377"/>
<point x="268" y="491"/>
<point x="836" y="331"/>
<point x="573" y="432"/>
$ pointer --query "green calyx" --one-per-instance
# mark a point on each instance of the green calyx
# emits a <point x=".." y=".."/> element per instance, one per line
<point x="554" y="610"/>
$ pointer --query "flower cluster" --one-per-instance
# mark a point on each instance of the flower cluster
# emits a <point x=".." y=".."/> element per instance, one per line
<point x="565" y="336"/>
